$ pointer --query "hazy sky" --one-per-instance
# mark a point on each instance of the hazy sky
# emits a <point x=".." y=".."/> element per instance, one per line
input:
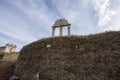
<point x="25" y="21"/>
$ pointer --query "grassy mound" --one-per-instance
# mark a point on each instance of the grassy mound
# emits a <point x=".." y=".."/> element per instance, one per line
<point x="93" y="57"/>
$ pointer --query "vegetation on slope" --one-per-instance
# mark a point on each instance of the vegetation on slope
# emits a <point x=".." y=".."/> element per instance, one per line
<point x="93" y="57"/>
<point x="7" y="65"/>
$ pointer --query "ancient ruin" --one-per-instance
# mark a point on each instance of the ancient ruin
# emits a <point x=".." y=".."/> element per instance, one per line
<point x="9" y="48"/>
<point x="60" y="23"/>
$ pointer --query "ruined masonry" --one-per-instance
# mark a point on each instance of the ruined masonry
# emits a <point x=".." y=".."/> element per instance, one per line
<point x="9" y="48"/>
<point x="60" y="23"/>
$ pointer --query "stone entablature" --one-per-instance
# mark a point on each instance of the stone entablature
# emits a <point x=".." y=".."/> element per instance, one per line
<point x="9" y="48"/>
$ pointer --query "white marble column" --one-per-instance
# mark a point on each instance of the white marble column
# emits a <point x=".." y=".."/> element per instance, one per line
<point x="69" y="31"/>
<point x="61" y="30"/>
<point x="53" y="31"/>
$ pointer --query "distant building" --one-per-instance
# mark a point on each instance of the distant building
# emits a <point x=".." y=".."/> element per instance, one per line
<point x="9" y="48"/>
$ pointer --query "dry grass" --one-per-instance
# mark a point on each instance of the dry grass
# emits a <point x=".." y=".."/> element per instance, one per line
<point x="93" y="57"/>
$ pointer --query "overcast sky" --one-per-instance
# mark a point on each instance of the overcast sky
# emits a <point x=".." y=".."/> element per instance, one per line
<point x="25" y="21"/>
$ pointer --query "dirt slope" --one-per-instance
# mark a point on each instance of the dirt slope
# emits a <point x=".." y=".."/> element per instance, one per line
<point x="93" y="57"/>
<point x="7" y="65"/>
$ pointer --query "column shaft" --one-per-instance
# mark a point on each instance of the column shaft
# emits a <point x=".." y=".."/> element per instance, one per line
<point x="61" y="30"/>
<point x="69" y="31"/>
<point x="53" y="32"/>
